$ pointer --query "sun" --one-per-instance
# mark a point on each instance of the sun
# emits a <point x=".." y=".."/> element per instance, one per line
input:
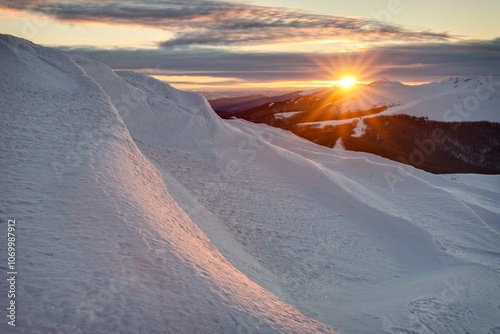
<point x="347" y="82"/>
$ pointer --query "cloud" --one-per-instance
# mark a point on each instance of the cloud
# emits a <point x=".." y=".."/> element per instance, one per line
<point x="409" y="62"/>
<point x="197" y="24"/>
<point x="213" y="22"/>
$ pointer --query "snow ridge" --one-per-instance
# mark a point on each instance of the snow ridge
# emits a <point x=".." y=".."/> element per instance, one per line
<point x="157" y="216"/>
<point x="126" y="256"/>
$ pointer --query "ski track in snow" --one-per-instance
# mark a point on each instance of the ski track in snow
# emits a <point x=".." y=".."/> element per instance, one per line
<point x="154" y="215"/>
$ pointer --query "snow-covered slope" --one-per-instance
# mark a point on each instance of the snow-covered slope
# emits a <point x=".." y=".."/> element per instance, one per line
<point x="102" y="246"/>
<point x="354" y="241"/>
<point x="451" y="100"/>
<point x="287" y="114"/>
<point x="164" y="218"/>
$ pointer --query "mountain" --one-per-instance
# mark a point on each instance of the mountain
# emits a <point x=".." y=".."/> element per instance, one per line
<point x="451" y="100"/>
<point x="228" y="103"/>
<point x="458" y="119"/>
<point x="384" y="82"/>
<point x="152" y="214"/>
<point x="238" y="93"/>
<point x="102" y="246"/>
<point x="228" y="106"/>
<point x="309" y="102"/>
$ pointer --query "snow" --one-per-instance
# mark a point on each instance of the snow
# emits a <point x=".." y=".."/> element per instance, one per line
<point x="452" y="100"/>
<point x="360" y="129"/>
<point x="286" y="114"/>
<point x="339" y="145"/>
<point x="334" y="123"/>
<point x="154" y="215"/>
<point x="103" y="247"/>
<point x="460" y="99"/>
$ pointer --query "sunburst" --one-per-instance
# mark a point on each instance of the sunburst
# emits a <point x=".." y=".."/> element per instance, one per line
<point x="347" y="82"/>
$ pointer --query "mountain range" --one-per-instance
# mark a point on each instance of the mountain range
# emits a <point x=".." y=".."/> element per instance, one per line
<point x="139" y="209"/>
<point x="450" y="126"/>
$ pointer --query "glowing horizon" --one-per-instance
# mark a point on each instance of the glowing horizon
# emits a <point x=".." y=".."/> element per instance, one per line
<point x="268" y="43"/>
<point x="218" y="85"/>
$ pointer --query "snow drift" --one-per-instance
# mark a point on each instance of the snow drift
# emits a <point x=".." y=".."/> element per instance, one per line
<point x="155" y="215"/>
<point x="103" y="247"/>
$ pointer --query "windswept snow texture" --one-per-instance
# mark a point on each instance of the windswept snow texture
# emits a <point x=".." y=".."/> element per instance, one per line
<point x="355" y="241"/>
<point x="102" y="245"/>
<point x="154" y="215"/>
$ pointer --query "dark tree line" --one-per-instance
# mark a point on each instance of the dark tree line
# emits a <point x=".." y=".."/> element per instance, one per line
<point x="437" y="147"/>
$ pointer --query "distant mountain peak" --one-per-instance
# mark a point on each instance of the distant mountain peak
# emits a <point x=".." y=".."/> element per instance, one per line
<point x="385" y="81"/>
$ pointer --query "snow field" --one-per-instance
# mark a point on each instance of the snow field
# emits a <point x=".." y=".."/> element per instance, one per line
<point x="154" y="215"/>
<point x="103" y="246"/>
<point x="320" y="224"/>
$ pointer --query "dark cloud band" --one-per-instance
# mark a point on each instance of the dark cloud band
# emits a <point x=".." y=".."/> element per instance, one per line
<point x="409" y="62"/>
<point x="206" y="22"/>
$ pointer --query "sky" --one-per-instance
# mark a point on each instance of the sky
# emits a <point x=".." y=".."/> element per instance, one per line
<point x="209" y="45"/>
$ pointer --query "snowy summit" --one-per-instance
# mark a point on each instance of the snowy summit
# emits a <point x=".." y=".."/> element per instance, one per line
<point x="139" y="210"/>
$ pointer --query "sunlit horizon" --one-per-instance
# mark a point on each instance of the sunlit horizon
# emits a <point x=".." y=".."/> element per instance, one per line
<point x="258" y="46"/>
<point x="216" y="86"/>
